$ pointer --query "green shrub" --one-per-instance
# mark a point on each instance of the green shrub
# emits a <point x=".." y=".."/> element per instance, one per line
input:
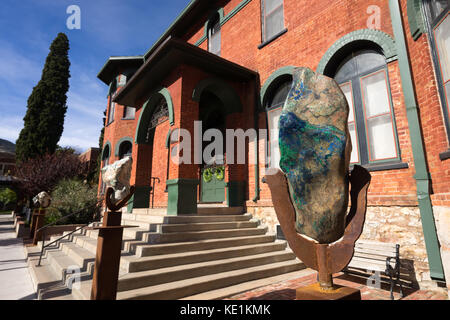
<point x="7" y="197"/>
<point x="71" y="196"/>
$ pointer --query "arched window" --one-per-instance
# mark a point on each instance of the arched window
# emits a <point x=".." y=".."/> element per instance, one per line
<point x="363" y="78"/>
<point x="276" y="97"/>
<point x="125" y="149"/>
<point x="160" y="114"/>
<point x="214" y="35"/>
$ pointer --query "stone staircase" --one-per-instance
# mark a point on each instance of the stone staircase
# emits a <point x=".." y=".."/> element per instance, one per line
<point x="211" y="255"/>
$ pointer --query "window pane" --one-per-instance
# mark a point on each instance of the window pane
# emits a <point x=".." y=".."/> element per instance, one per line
<point x="129" y="113"/>
<point x="214" y="38"/>
<point x="442" y="34"/>
<point x="354" y="158"/>
<point x="274" y="23"/>
<point x="447" y="92"/>
<point x="280" y="95"/>
<point x="272" y="4"/>
<point x="113" y="110"/>
<point x="274" y="116"/>
<point x="347" y="90"/>
<point x="346" y="70"/>
<point x="437" y="6"/>
<point x="381" y="138"/>
<point x="375" y="94"/>
<point x="368" y="60"/>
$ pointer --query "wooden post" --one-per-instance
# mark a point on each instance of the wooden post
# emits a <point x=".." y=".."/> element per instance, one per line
<point x="109" y="247"/>
<point x="107" y="259"/>
<point x="39" y="223"/>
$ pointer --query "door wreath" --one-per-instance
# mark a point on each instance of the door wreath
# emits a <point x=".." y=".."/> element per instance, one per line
<point x="220" y="173"/>
<point x="207" y="175"/>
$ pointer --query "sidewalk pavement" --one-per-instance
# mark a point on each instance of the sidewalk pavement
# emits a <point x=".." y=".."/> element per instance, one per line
<point x="286" y="290"/>
<point x="15" y="280"/>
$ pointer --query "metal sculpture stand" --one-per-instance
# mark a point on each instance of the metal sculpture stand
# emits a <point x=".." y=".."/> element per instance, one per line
<point x="109" y="246"/>
<point x="325" y="258"/>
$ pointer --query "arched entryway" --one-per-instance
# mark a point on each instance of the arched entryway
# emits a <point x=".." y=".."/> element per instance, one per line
<point x="217" y="100"/>
<point x="212" y="178"/>
<point x="155" y="119"/>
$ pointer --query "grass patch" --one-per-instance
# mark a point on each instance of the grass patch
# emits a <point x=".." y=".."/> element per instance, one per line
<point x="6" y="212"/>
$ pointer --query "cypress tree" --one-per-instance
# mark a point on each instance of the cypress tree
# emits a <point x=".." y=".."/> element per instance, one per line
<point x="44" y="120"/>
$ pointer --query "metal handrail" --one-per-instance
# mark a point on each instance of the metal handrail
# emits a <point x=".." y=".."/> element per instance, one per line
<point x="44" y="246"/>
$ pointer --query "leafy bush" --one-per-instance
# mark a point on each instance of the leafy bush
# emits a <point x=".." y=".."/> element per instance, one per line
<point x="7" y="197"/>
<point x="45" y="172"/>
<point x="71" y="196"/>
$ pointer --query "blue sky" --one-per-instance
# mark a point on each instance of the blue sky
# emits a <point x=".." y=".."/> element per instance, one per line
<point x="108" y="28"/>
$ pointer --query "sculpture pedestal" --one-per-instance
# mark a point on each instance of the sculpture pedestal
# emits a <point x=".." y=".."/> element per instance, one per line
<point x="38" y="220"/>
<point x="314" y="292"/>
<point x="107" y="259"/>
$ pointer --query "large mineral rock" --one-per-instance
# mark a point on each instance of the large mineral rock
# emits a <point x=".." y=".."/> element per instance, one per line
<point x="42" y="199"/>
<point x="117" y="176"/>
<point x="315" y="149"/>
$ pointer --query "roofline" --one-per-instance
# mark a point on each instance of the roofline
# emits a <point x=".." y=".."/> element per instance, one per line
<point x="118" y="58"/>
<point x="183" y="13"/>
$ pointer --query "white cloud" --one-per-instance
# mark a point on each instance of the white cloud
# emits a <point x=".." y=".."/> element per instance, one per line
<point x="10" y="128"/>
<point x="17" y="67"/>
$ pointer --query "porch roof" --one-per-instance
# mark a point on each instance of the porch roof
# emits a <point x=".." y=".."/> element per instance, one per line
<point x="171" y="53"/>
<point x="108" y="71"/>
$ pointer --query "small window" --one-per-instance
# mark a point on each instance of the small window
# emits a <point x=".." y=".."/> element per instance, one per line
<point x="125" y="149"/>
<point x="112" y="111"/>
<point x="274" y="106"/>
<point x="112" y="105"/>
<point x="273" y="18"/>
<point x="129" y="113"/>
<point x="214" y="35"/>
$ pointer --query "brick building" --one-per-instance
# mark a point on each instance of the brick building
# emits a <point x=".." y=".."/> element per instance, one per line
<point x="7" y="158"/>
<point x="229" y="64"/>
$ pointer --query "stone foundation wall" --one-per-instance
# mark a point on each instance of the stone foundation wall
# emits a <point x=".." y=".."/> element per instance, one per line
<point x="442" y="219"/>
<point x="400" y="225"/>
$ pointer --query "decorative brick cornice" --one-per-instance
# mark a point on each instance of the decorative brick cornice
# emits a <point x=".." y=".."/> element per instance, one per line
<point x="380" y="38"/>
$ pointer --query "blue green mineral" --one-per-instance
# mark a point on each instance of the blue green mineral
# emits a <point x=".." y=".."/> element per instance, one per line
<point x="315" y="152"/>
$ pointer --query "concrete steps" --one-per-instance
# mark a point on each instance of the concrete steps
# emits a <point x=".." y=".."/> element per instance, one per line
<point x="155" y="249"/>
<point x="155" y="237"/>
<point x="172" y="257"/>
<point x="135" y="280"/>
<point x="187" y="287"/>
<point x="136" y="264"/>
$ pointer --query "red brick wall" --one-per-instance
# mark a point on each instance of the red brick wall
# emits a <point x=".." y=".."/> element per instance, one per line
<point x="433" y="127"/>
<point x="313" y="27"/>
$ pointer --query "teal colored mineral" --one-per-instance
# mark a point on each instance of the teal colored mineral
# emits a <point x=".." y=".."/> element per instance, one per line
<point x="315" y="151"/>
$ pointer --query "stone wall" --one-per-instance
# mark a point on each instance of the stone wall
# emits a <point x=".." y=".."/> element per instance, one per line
<point x="442" y="219"/>
<point x="400" y="225"/>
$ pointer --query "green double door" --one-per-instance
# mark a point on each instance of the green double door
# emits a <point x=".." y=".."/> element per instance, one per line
<point x="212" y="186"/>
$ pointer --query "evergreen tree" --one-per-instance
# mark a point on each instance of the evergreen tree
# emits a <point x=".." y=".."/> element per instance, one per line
<point x="44" y="120"/>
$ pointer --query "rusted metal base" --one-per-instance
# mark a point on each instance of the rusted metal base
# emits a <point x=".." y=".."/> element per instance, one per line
<point x="326" y="258"/>
<point x="315" y="292"/>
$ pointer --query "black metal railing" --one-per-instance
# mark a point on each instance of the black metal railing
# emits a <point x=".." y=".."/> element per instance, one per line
<point x="96" y="218"/>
